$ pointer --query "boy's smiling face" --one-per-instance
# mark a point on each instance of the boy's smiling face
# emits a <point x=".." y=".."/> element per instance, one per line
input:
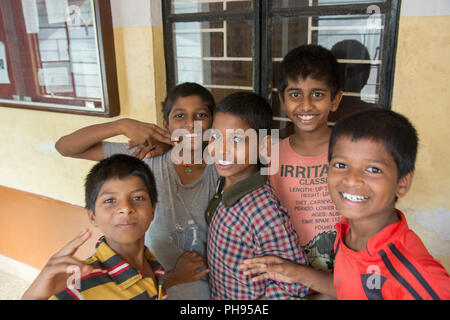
<point x="183" y="115"/>
<point x="307" y="102"/>
<point x="363" y="179"/>
<point x="123" y="210"/>
<point x="234" y="147"/>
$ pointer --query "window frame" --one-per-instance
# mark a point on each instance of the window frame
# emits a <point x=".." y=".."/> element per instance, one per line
<point x="107" y="68"/>
<point x="262" y="15"/>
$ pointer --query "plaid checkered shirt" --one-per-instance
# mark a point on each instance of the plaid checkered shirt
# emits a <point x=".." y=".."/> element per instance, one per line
<point x="249" y="221"/>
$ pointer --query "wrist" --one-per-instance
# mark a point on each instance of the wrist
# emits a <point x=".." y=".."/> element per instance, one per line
<point x="120" y="126"/>
<point x="302" y="275"/>
<point x="170" y="279"/>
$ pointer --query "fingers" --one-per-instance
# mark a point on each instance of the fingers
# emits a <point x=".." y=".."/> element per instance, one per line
<point x="261" y="260"/>
<point x="142" y="132"/>
<point x="71" y="247"/>
<point x="162" y="135"/>
<point x="147" y="150"/>
<point x="65" y="265"/>
<point x="254" y="268"/>
<point x="157" y="151"/>
<point x="263" y="276"/>
<point x="201" y="274"/>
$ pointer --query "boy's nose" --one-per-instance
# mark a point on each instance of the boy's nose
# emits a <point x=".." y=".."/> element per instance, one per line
<point x="306" y="105"/>
<point x="353" y="178"/>
<point x="189" y="125"/>
<point x="126" y="207"/>
<point x="218" y="150"/>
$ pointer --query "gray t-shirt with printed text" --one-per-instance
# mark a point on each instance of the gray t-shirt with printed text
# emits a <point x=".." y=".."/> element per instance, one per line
<point x="179" y="224"/>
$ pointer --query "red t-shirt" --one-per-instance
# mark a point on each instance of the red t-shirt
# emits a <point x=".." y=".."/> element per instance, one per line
<point x="394" y="266"/>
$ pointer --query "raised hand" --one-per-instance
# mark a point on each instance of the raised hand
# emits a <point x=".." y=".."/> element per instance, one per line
<point x="53" y="277"/>
<point x="148" y="139"/>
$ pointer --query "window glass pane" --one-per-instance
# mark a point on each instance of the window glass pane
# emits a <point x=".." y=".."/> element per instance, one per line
<point x="67" y="44"/>
<point x="355" y="40"/>
<point x="312" y="3"/>
<point x="216" y="54"/>
<point x="220" y="93"/>
<point x="357" y="44"/>
<point x="195" y="6"/>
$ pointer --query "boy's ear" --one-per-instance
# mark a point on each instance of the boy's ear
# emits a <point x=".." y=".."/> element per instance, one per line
<point x="336" y="101"/>
<point x="404" y="184"/>
<point x="91" y="217"/>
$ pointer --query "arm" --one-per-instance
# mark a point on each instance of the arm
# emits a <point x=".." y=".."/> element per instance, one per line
<point x="278" y="269"/>
<point x="86" y="143"/>
<point x="186" y="270"/>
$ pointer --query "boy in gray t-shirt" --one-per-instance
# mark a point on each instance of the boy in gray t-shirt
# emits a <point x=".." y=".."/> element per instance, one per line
<point x="177" y="235"/>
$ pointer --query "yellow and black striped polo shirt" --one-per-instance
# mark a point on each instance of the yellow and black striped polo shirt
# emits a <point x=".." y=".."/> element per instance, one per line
<point x="114" y="279"/>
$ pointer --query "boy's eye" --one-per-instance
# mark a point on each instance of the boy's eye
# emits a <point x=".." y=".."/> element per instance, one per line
<point x="178" y="115"/>
<point x="295" y="94"/>
<point x="109" y="200"/>
<point x="339" y="165"/>
<point x="202" y="115"/>
<point x="374" y="170"/>
<point x="138" y="198"/>
<point x="317" y="94"/>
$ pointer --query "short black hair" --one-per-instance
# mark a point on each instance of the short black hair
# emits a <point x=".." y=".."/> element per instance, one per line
<point x="248" y="106"/>
<point x="118" y="166"/>
<point x="392" y="129"/>
<point x="187" y="89"/>
<point x="312" y="61"/>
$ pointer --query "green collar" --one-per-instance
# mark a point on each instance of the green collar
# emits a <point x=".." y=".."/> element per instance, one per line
<point x="234" y="193"/>
<point x="240" y="189"/>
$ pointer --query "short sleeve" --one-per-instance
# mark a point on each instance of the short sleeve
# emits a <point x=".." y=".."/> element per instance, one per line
<point x="111" y="148"/>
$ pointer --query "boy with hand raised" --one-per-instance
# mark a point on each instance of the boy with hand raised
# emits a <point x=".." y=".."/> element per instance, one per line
<point x="121" y="198"/>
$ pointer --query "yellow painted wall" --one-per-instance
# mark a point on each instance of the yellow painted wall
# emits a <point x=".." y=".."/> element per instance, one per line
<point x="422" y="93"/>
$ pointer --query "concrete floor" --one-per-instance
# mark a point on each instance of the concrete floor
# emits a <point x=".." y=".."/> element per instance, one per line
<point x="12" y="287"/>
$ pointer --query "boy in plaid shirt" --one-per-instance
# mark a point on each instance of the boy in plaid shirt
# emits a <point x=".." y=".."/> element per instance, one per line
<point x="246" y="218"/>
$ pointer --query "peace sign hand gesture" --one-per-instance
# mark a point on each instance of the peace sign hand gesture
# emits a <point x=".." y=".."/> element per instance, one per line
<point x="53" y="277"/>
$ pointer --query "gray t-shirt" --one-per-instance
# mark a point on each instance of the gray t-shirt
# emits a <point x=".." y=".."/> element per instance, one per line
<point x="179" y="224"/>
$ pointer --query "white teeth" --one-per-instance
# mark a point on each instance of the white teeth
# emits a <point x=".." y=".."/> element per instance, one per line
<point x="306" y="117"/>
<point x="354" y="198"/>
<point x="224" y="162"/>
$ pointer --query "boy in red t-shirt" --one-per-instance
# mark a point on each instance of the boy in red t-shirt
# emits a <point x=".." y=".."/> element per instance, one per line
<point x="372" y="156"/>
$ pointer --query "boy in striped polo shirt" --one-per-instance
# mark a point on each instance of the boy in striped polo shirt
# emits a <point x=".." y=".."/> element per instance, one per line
<point x="120" y="197"/>
<point x="245" y="217"/>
